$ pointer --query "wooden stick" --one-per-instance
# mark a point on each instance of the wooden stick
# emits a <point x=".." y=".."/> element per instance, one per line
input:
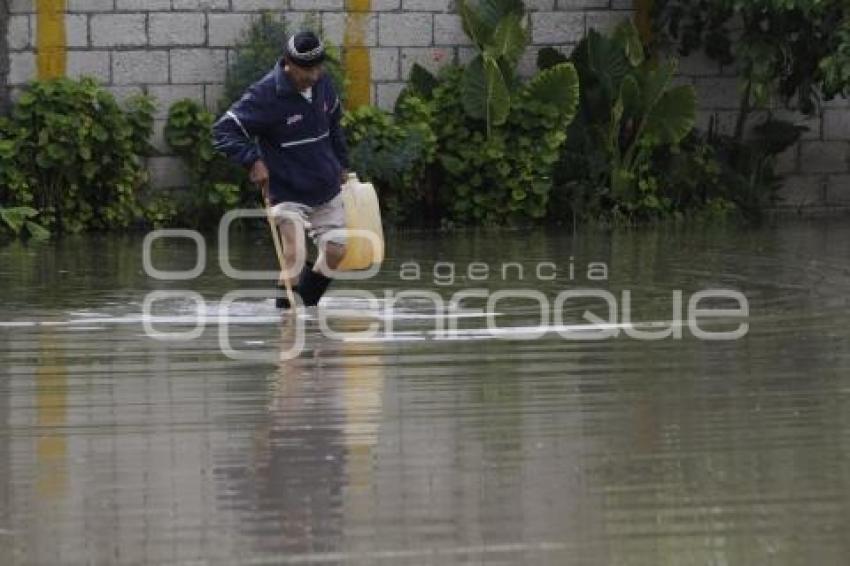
<point x="278" y="246"/>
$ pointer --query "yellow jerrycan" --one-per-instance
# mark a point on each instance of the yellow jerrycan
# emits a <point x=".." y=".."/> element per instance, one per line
<point x="363" y="215"/>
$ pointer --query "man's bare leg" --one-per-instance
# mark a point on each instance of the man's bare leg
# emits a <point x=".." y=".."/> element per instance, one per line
<point x="294" y="248"/>
<point x="331" y="258"/>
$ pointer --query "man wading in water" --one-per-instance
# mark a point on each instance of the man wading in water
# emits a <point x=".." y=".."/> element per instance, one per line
<point x="286" y="131"/>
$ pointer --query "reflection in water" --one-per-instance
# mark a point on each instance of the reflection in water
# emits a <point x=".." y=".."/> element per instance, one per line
<point x="115" y="448"/>
<point x="51" y="401"/>
<point x="309" y="470"/>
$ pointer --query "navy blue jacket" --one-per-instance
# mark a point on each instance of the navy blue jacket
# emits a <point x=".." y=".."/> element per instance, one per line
<point x="302" y="144"/>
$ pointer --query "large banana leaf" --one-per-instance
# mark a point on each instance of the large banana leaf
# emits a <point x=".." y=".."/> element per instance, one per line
<point x="629" y="37"/>
<point x="473" y="25"/>
<point x="654" y="80"/>
<point x="480" y="18"/>
<point x="485" y="93"/>
<point x="558" y="86"/>
<point x="509" y="39"/>
<point x="606" y="59"/>
<point x="673" y="117"/>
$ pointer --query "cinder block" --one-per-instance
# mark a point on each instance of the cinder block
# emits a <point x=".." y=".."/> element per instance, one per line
<point x="118" y="30"/>
<point x="836" y="124"/>
<point x="385" y="64"/>
<point x="824" y="157"/>
<point x="314" y="5"/>
<point x="405" y="30"/>
<point x="170" y="29"/>
<point x="91" y="5"/>
<point x="549" y="28"/>
<point x="168" y="173"/>
<point x="139" y="67"/>
<point x="387" y="94"/>
<point x="18" y="33"/>
<point x="21" y="6"/>
<point x="201" y="4"/>
<point x="22" y="67"/>
<point x="225" y="30"/>
<point x="838" y="189"/>
<point x="76" y="30"/>
<point x="802" y="190"/>
<point x="427" y="5"/>
<point x="198" y="66"/>
<point x="142" y="5"/>
<point x="385" y="5"/>
<point x="89" y="64"/>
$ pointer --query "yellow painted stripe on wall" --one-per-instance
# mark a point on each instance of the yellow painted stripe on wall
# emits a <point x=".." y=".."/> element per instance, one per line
<point x="51" y="47"/>
<point x="357" y="59"/>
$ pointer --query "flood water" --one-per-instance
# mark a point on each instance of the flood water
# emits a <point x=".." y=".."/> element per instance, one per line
<point x="541" y="443"/>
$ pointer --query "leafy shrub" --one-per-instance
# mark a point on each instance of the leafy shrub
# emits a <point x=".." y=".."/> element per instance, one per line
<point x="498" y="138"/>
<point x="214" y="181"/>
<point x="74" y="155"/>
<point x="796" y="50"/>
<point x="715" y="173"/>
<point x="393" y="152"/>
<point x="506" y="176"/>
<point x="19" y="219"/>
<point x="629" y="109"/>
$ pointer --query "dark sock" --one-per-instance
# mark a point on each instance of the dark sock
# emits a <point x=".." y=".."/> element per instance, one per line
<point x="282" y="302"/>
<point x="312" y="287"/>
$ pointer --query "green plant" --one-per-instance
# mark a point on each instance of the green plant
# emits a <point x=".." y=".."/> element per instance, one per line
<point x="214" y="181"/>
<point x="497" y="30"/>
<point x="15" y="189"/>
<point x="835" y="67"/>
<point x="506" y="176"/>
<point x="76" y="154"/>
<point x="261" y="46"/>
<point x="19" y="219"/>
<point x="796" y="50"/>
<point x="629" y="109"/>
<point x="715" y="173"/>
<point x="393" y="152"/>
<point x="497" y="137"/>
<point x="749" y="168"/>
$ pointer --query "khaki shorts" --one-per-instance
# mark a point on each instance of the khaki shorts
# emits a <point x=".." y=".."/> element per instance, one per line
<point x="319" y="221"/>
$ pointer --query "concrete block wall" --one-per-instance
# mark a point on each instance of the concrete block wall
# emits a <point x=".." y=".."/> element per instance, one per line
<point x="174" y="49"/>
<point x="4" y="56"/>
<point x="817" y="169"/>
